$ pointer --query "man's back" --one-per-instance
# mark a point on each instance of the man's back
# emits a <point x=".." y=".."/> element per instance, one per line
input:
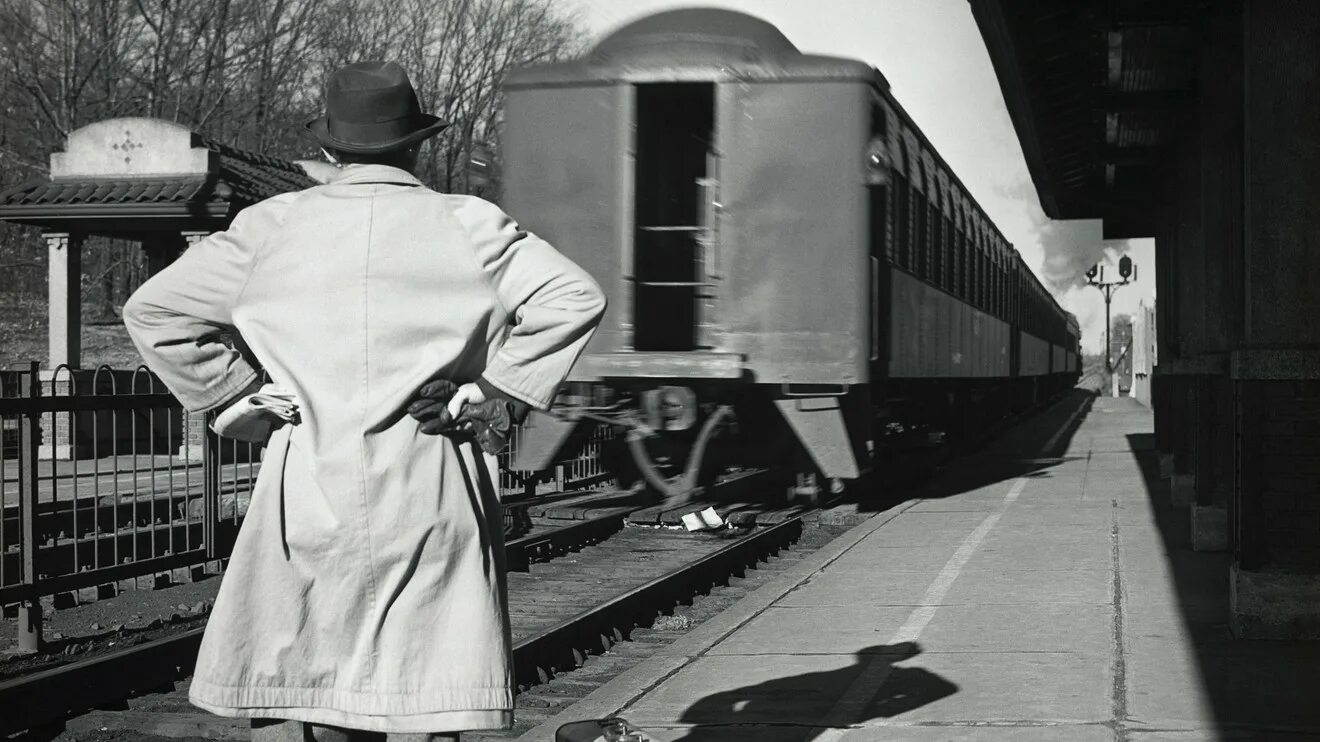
<point x="363" y="292"/>
<point x="366" y="554"/>
<point x="365" y="590"/>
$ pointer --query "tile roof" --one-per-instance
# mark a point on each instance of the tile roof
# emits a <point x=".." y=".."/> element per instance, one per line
<point x="255" y="177"/>
<point x="241" y="178"/>
<point x="102" y="192"/>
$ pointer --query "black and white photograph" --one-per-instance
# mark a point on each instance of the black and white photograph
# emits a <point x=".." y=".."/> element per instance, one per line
<point x="659" y="370"/>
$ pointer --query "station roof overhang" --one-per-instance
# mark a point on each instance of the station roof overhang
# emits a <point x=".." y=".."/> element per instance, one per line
<point x="1098" y="91"/>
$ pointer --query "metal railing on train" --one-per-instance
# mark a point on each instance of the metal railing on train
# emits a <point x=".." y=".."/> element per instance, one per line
<point x="106" y="478"/>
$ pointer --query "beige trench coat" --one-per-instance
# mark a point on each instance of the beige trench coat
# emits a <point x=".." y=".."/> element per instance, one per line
<point x="366" y="587"/>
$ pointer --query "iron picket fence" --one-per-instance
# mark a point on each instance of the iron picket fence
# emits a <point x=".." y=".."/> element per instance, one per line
<point x="106" y="478"/>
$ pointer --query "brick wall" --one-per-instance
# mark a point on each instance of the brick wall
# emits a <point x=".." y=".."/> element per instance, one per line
<point x="1283" y="432"/>
<point x="105" y="433"/>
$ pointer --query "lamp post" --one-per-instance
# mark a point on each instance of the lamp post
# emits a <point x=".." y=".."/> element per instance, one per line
<point x="1096" y="277"/>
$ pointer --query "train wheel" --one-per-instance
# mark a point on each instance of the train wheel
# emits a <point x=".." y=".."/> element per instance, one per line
<point x="677" y="488"/>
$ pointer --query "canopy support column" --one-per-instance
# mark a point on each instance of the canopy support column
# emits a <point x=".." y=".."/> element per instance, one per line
<point x="64" y="287"/>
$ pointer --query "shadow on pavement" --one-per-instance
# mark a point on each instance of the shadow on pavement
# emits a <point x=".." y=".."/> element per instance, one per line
<point x="1256" y="690"/>
<point x="780" y="704"/>
<point x="1027" y="447"/>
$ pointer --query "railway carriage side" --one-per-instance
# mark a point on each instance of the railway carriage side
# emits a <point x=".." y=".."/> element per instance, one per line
<point x="717" y="194"/>
<point x="792" y="269"/>
<point x="952" y="349"/>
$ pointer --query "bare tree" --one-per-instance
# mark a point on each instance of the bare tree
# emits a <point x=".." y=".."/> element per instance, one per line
<point x="245" y="72"/>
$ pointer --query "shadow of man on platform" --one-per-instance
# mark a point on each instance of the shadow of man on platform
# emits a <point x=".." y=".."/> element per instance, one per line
<point x="798" y="708"/>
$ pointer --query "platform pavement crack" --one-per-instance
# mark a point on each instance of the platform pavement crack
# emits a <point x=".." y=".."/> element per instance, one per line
<point x="1118" y="699"/>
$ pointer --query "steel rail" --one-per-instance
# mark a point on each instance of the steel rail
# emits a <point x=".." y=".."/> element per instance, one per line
<point x="566" y="645"/>
<point x="520" y="552"/>
<point x="48" y="697"/>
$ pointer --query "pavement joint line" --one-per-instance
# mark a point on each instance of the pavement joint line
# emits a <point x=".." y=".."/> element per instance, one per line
<point x="1118" y="699"/>
<point x="863" y="690"/>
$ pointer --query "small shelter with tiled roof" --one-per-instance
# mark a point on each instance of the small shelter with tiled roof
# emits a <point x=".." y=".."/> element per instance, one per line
<point x="139" y="179"/>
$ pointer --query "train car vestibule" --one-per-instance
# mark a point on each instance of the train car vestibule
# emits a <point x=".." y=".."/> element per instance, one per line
<point x="675" y="131"/>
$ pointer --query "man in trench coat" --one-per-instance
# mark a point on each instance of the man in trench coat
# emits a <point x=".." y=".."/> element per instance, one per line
<point x="366" y="588"/>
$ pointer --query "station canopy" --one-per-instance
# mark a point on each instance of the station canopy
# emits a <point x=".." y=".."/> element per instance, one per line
<point x="133" y="176"/>
<point x="1096" y="90"/>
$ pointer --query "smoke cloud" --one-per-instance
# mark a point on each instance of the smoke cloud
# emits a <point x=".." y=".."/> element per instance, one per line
<point x="1060" y="252"/>
<point x="1070" y="247"/>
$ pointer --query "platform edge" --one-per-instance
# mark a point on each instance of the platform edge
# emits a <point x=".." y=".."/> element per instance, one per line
<point x="627" y="687"/>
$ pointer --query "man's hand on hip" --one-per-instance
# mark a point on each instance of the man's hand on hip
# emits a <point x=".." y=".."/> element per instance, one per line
<point x="431" y="406"/>
<point x="445" y="408"/>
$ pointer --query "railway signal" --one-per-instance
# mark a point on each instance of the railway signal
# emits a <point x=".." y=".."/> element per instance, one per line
<point x="1127" y="271"/>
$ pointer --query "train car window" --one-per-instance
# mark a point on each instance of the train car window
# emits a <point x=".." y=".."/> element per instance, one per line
<point x="880" y="174"/>
<point x="960" y="248"/>
<point x="675" y="133"/>
<point x="921" y="255"/>
<point x="879" y="122"/>
<point x="976" y="272"/>
<point x="1003" y="291"/>
<point x="923" y="238"/>
<point x="902" y="193"/>
<point x="1005" y="295"/>
<point x="1017" y="294"/>
<point x="1012" y="291"/>
<point x="971" y="267"/>
<point x="1021" y="296"/>
<point x="878" y="206"/>
<point x="946" y="240"/>
<point x="965" y="267"/>
<point x="955" y="258"/>
<point x="930" y="240"/>
<point x="1003" y="288"/>
<point x="952" y="263"/>
<point x="982" y="280"/>
<point x="936" y="243"/>
<point x="1007" y="291"/>
<point x="974" y="269"/>
<point x="999" y="288"/>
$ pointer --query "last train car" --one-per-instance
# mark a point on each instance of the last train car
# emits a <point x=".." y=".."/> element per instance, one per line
<point x="793" y="272"/>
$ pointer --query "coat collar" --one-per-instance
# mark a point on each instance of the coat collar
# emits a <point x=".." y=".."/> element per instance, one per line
<point x="358" y="173"/>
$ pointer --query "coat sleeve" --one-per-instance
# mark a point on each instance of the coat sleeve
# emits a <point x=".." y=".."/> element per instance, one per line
<point x="176" y="318"/>
<point x="552" y="303"/>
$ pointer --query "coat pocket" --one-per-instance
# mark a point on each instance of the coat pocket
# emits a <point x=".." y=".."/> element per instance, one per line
<point x="311" y="520"/>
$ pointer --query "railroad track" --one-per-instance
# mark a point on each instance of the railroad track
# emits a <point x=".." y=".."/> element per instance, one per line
<point x="575" y="593"/>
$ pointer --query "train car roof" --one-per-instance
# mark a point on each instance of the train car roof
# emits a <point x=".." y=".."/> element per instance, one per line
<point x="698" y="45"/>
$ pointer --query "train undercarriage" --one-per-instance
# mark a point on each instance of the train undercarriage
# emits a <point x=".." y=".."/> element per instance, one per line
<point x="676" y="437"/>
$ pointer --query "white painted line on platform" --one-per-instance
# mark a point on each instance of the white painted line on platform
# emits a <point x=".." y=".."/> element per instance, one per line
<point x="866" y="687"/>
<point x="1054" y="439"/>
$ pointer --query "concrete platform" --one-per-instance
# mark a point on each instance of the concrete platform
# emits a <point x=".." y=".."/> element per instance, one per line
<point x="1045" y="589"/>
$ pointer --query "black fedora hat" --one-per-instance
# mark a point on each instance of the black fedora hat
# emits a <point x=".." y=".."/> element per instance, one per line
<point x="371" y="108"/>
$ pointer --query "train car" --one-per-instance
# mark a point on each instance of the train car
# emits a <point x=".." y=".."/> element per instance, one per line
<point x="795" y="276"/>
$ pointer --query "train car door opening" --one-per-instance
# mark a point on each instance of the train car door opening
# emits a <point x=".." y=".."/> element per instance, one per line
<point x="675" y="181"/>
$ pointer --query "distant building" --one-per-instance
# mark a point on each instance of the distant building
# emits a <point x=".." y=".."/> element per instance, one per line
<point x="1143" y="350"/>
